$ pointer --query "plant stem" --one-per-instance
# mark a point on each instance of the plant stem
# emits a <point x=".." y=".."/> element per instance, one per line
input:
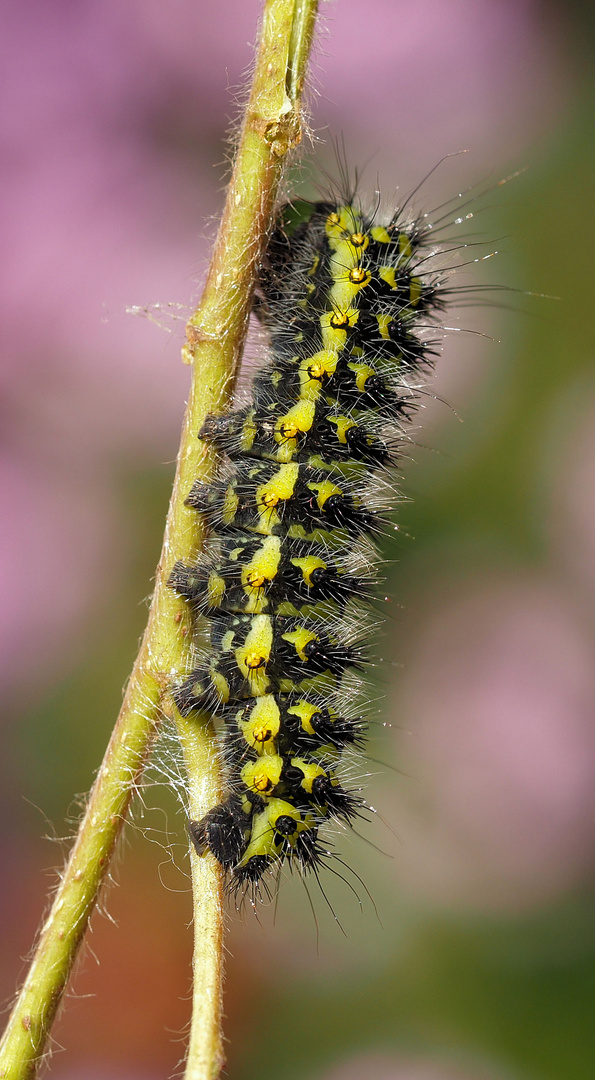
<point x="216" y="333"/>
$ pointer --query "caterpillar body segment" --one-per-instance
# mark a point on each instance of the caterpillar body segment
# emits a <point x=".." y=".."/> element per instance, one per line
<point x="265" y="498"/>
<point x="347" y="302"/>
<point x="286" y="432"/>
<point x="253" y="655"/>
<point x="259" y="574"/>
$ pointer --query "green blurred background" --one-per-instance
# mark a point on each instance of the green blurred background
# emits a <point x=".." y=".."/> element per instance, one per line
<point x="476" y="956"/>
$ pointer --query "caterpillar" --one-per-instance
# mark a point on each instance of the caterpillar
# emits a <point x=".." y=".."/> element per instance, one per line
<point x="350" y="309"/>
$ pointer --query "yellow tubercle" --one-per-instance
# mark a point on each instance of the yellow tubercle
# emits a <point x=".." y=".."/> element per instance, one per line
<point x="342" y="424"/>
<point x="415" y="290"/>
<point x="342" y="223"/>
<point x="323" y="491"/>
<point x="405" y="246"/>
<point x="362" y="373"/>
<point x="263" y="775"/>
<point x="253" y="656"/>
<point x="299" y="638"/>
<point x="308" y="564"/>
<point x="315" y="265"/>
<point x="264" y="839"/>
<point x="304" y="710"/>
<point x="388" y="275"/>
<point x="384" y="322"/>
<point x="314" y="371"/>
<point x="262" y="726"/>
<point x="249" y="431"/>
<point x="278" y="489"/>
<point x="262" y="567"/>
<point x="230" y="506"/>
<point x="221" y="686"/>
<point x="310" y="770"/>
<point x="335" y="325"/>
<point x="215" y="590"/>
<point x="380" y="234"/>
<point x="296" y="421"/>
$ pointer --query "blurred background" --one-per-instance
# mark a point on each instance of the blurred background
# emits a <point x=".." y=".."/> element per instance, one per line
<point x="475" y="957"/>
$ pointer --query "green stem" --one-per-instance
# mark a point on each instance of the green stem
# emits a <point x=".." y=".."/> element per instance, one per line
<point x="216" y="333"/>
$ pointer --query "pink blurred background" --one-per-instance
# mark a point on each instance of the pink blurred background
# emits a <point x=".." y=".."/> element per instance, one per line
<point x="114" y="123"/>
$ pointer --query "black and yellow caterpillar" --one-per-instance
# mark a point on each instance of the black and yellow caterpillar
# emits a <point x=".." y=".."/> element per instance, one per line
<point x="347" y="304"/>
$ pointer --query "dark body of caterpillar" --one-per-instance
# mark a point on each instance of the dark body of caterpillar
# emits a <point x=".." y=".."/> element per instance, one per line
<point x="297" y="498"/>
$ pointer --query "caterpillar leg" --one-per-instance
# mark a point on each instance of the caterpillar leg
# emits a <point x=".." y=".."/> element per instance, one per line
<point x="224" y="831"/>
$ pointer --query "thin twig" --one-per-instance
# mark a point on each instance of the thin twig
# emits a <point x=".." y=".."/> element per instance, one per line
<point x="216" y="332"/>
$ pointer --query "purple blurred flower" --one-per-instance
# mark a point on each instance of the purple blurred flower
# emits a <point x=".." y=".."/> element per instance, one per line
<point x="499" y="699"/>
